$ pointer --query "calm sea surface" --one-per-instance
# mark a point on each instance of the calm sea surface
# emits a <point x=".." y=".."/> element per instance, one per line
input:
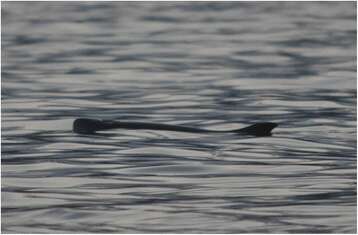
<point x="209" y="65"/>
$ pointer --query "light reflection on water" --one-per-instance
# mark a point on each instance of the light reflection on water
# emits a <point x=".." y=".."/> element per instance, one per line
<point x="211" y="65"/>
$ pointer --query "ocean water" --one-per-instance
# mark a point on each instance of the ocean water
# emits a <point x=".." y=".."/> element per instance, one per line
<point x="202" y="64"/>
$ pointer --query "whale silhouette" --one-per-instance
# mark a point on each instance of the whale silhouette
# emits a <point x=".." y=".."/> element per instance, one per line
<point x="90" y="126"/>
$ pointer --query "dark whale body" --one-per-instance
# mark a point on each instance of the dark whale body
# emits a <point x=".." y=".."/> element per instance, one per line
<point x="90" y="126"/>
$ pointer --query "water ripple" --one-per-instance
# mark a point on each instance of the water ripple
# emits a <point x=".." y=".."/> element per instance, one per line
<point x="203" y="64"/>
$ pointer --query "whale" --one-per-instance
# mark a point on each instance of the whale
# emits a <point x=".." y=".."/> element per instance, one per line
<point x="91" y="126"/>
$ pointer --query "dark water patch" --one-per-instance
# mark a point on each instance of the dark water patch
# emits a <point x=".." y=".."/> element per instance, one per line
<point x="26" y="40"/>
<point x="80" y="71"/>
<point x="162" y="19"/>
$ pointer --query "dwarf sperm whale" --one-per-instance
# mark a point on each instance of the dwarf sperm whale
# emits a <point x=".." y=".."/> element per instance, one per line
<point x="90" y="126"/>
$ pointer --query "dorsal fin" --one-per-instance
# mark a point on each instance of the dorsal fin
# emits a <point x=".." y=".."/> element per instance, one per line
<point x="258" y="129"/>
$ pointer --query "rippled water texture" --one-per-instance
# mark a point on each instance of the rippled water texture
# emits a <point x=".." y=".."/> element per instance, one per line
<point x="209" y="65"/>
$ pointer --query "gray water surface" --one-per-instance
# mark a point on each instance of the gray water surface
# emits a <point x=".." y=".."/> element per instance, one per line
<point x="209" y="65"/>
